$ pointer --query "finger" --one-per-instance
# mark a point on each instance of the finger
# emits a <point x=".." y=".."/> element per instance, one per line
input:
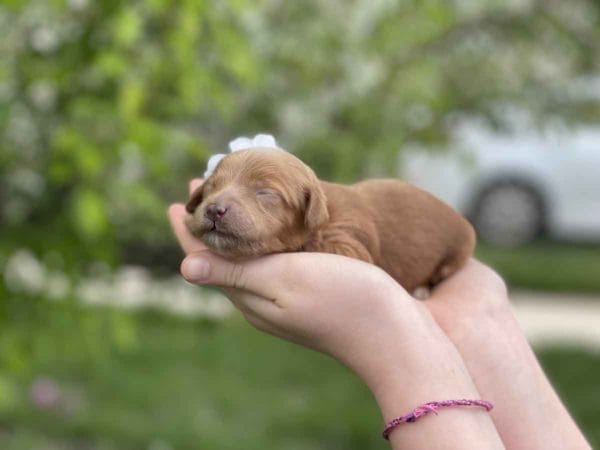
<point x="267" y="326"/>
<point x="188" y="243"/>
<point x="258" y="322"/>
<point x="249" y="303"/>
<point x="276" y="326"/>
<point x="261" y="276"/>
<point x="195" y="184"/>
<point x="265" y="313"/>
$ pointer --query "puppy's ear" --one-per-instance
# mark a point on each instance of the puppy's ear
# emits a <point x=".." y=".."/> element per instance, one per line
<point x="195" y="199"/>
<point x="315" y="214"/>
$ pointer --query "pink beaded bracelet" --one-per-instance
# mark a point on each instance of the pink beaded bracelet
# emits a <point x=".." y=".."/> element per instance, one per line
<point x="431" y="407"/>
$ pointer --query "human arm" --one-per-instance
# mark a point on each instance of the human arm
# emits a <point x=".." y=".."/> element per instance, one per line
<point x="473" y="309"/>
<point x="356" y="313"/>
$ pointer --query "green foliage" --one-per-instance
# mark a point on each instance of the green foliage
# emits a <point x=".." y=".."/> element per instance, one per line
<point x="107" y="107"/>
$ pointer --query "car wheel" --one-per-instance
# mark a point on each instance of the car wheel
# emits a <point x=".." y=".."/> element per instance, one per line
<point x="508" y="214"/>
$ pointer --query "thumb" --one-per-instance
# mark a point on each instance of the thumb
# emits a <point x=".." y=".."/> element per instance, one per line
<point x="258" y="276"/>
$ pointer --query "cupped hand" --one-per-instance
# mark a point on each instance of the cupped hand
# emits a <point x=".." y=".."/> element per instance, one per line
<point x="358" y="314"/>
<point x="337" y="305"/>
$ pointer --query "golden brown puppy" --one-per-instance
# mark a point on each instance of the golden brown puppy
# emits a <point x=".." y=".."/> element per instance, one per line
<point x="266" y="200"/>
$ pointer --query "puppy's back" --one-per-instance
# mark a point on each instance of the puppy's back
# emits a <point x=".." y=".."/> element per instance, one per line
<point x="412" y="235"/>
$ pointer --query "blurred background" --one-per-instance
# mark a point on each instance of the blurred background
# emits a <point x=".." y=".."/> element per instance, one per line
<point x="107" y="108"/>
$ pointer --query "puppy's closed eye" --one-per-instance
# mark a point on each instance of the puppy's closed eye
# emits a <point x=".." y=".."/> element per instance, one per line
<point x="269" y="198"/>
<point x="267" y="192"/>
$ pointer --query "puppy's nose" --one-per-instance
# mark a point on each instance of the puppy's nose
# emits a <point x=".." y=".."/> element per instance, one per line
<point x="215" y="211"/>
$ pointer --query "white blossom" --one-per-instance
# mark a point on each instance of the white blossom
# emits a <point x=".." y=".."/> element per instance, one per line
<point x="23" y="272"/>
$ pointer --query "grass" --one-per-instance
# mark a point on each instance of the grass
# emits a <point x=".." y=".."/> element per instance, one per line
<point x="167" y="383"/>
<point x="575" y="374"/>
<point x="191" y="385"/>
<point x="547" y="265"/>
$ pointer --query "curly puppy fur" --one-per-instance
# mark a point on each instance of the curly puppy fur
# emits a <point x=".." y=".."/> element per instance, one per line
<point x="266" y="201"/>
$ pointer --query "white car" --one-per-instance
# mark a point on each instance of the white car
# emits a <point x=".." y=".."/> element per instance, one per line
<point x="515" y="188"/>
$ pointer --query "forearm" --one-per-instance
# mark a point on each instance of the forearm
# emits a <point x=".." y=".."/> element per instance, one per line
<point x="475" y="313"/>
<point x="422" y="365"/>
<point x="528" y="412"/>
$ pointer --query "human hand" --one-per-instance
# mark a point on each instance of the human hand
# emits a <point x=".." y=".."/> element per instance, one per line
<point x="358" y="314"/>
<point x="336" y="305"/>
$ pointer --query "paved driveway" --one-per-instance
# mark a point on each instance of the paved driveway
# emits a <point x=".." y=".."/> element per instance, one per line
<point x="559" y="318"/>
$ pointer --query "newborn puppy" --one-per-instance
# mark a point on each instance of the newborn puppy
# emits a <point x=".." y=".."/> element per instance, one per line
<point x="264" y="201"/>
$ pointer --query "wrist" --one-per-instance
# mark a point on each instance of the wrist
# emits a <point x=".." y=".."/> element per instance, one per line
<point x="415" y="364"/>
<point x="387" y="340"/>
<point x="441" y="378"/>
<point x="420" y="365"/>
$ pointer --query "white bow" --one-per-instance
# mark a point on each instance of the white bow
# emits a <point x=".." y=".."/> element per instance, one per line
<point x="242" y="143"/>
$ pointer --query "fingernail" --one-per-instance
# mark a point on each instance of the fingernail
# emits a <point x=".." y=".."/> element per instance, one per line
<point x="196" y="269"/>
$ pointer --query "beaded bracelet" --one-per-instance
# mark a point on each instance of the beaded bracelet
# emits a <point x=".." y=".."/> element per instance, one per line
<point x="431" y="407"/>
